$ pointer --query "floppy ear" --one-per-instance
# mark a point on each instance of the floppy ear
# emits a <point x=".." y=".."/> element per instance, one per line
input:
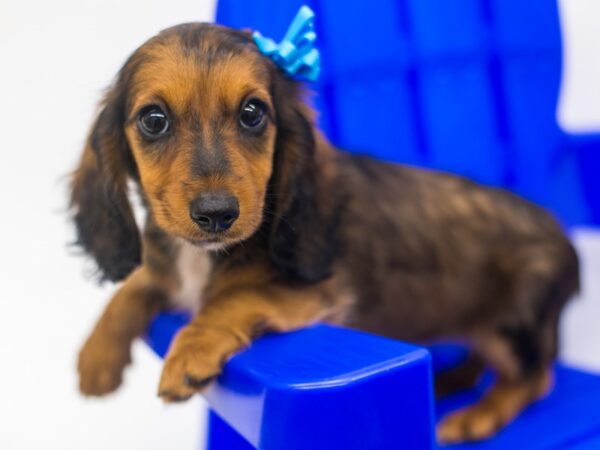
<point x="105" y="225"/>
<point x="301" y="235"/>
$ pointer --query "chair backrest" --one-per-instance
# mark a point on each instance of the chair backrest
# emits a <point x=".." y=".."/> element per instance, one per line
<point x="467" y="86"/>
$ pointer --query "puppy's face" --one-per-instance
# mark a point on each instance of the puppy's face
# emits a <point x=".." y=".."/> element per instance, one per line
<point x="217" y="137"/>
<point x="199" y="122"/>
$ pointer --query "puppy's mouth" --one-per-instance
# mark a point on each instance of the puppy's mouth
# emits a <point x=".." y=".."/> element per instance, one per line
<point x="211" y="243"/>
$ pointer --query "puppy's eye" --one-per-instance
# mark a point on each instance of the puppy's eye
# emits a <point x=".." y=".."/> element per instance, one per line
<point x="252" y="114"/>
<point x="152" y="121"/>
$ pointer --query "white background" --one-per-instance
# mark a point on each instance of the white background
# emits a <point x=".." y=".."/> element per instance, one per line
<point x="55" y="59"/>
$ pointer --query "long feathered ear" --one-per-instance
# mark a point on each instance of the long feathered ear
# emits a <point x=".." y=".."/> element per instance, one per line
<point x="105" y="225"/>
<point x="301" y="236"/>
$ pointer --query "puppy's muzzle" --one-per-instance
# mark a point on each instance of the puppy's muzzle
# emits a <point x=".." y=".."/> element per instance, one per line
<point x="214" y="212"/>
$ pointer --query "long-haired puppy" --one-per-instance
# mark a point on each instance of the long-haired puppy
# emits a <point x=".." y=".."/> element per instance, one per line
<point x="257" y="223"/>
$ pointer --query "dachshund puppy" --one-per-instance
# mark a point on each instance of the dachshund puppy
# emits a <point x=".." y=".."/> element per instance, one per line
<point x="257" y="223"/>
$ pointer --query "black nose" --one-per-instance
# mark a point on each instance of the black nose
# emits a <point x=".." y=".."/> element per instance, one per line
<point x="215" y="211"/>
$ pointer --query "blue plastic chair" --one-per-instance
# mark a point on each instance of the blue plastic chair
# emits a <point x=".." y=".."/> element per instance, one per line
<point x="468" y="86"/>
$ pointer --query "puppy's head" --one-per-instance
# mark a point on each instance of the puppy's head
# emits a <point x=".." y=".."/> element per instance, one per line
<point x="207" y="126"/>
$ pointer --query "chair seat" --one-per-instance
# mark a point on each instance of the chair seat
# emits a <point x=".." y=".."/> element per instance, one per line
<point x="567" y="418"/>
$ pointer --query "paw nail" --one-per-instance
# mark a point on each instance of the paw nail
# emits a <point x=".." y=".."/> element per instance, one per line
<point x="197" y="384"/>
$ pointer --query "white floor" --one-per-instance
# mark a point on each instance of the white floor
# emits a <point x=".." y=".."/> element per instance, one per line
<point x="55" y="59"/>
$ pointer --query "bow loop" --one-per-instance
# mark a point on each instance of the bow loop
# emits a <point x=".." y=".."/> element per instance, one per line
<point x="296" y="53"/>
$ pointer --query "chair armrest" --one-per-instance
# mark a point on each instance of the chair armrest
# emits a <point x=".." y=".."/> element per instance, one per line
<point x="573" y="186"/>
<point x="587" y="150"/>
<point x="321" y="388"/>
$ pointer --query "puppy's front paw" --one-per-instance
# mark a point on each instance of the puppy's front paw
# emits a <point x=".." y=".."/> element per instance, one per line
<point x="101" y="363"/>
<point x="195" y="358"/>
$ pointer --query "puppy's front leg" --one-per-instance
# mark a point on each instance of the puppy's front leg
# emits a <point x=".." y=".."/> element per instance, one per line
<point x="108" y="349"/>
<point x="229" y="322"/>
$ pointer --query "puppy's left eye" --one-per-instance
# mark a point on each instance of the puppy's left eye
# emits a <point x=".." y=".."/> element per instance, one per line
<point x="253" y="115"/>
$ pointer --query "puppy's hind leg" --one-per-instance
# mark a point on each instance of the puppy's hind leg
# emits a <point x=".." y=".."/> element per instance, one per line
<point x="520" y="346"/>
<point x="464" y="376"/>
<point x="108" y="349"/>
<point x="512" y="392"/>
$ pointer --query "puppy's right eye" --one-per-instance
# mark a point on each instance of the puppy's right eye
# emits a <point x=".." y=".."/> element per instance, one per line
<point x="153" y="122"/>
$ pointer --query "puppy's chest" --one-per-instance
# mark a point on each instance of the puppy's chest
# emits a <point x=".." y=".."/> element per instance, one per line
<point x="193" y="267"/>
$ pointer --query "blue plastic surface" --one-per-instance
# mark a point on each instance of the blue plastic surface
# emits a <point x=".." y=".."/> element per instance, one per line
<point x="326" y="388"/>
<point x="469" y="86"/>
<point x="221" y="436"/>
<point x="333" y="388"/>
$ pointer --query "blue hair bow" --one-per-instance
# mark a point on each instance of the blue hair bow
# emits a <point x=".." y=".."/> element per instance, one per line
<point x="295" y="54"/>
